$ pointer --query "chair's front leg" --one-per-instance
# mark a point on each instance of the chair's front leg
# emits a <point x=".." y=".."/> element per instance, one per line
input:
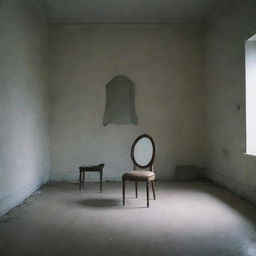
<point x="123" y="192"/>
<point x="153" y="189"/>
<point x="147" y="193"/>
<point x="136" y="189"/>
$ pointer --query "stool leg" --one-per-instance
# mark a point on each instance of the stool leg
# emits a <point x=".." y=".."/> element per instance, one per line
<point x="147" y="184"/>
<point x="136" y="189"/>
<point x="83" y="178"/>
<point x="100" y="181"/>
<point x="123" y="192"/>
<point x="80" y="180"/>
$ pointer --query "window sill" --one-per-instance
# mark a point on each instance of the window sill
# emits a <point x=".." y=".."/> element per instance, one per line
<point x="250" y="154"/>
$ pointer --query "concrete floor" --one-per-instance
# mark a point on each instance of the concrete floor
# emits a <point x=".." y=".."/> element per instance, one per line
<point x="189" y="218"/>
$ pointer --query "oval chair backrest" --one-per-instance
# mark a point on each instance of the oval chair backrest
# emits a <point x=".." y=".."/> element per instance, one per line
<point x="143" y="152"/>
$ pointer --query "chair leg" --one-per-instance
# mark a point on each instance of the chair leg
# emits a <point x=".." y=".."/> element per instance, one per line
<point x="101" y="181"/>
<point x="136" y="189"/>
<point x="80" y="180"/>
<point x="83" y="178"/>
<point x="123" y="192"/>
<point x="153" y="189"/>
<point x="147" y="183"/>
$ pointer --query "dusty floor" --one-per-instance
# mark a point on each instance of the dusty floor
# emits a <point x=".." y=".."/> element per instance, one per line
<point x="190" y="218"/>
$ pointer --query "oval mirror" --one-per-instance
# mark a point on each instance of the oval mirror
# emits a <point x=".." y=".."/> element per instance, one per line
<point x="143" y="151"/>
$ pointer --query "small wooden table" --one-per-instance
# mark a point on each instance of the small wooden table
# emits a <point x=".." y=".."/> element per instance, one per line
<point x="90" y="168"/>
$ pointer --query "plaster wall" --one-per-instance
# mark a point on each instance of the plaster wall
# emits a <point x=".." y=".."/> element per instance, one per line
<point x="225" y="98"/>
<point x="250" y="57"/>
<point x="24" y="138"/>
<point x="164" y="62"/>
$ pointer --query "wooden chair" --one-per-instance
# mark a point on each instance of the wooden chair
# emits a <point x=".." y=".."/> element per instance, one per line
<point x="143" y="156"/>
<point x="90" y="168"/>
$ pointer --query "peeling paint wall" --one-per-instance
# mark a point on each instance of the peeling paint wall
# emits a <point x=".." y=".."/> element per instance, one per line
<point x="165" y="63"/>
<point x="225" y="99"/>
<point x="24" y="138"/>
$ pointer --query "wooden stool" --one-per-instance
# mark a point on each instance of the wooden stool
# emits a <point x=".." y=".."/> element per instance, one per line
<point x="90" y="168"/>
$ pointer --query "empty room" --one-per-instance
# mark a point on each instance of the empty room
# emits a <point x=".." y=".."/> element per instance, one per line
<point x="128" y="127"/>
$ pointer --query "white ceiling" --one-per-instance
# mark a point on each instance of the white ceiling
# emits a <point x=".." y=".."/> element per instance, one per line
<point x="128" y="11"/>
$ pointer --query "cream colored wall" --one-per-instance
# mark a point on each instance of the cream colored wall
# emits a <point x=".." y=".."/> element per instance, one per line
<point x="165" y="63"/>
<point x="225" y="98"/>
<point x="192" y="121"/>
<point x="24" y="137"/>
<point x="250" y="90"/>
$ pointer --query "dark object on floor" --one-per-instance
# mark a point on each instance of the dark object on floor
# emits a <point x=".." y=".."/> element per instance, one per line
<point x="143" y="155"/>
<point x="90" y="168"/>
<point x="186" y="172"/>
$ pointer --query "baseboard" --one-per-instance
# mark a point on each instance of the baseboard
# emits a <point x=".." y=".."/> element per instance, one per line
<point x="243" y="190"/>
<point x="7" y="202"/>
<point x="71" y="176"/>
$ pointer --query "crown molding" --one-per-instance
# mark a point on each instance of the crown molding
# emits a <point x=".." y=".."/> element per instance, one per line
<point x="51" y="18"/>
<point x="219" y="7"/>
<point x="125" y="21"/>
<point x="46" y="10"/>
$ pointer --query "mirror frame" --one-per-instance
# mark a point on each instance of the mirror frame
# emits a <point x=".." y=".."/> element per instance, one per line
<point x="153" y="154"/>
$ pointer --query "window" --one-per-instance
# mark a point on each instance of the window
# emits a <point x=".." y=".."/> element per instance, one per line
<point x="250" y="57"/>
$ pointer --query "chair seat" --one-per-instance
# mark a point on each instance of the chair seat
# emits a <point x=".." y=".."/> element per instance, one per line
<point x="139" y="176"/>
<point x="91" y="168"/>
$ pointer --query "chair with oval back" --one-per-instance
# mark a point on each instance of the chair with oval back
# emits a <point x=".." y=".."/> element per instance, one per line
<point x="143" y="155"/>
